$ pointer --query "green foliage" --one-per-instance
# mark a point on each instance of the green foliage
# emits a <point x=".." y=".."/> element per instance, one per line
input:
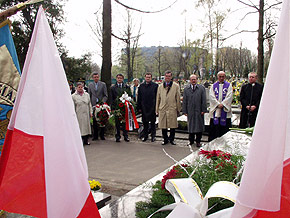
<point x="160" y="198"/>
<point x="110" y="126"/>
<point x="76" y="68"/>
<point x="182" y="125"/>
<point x="22" y="25"/>
<point x="215" y="166"/>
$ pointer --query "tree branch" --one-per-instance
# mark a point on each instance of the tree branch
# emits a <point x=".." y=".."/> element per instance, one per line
<point x="251" y="12"/>
<point x="252" y="6"/>
<point x="270" y="36"/>
<point x="148" y="12"/>
<point x="242" y="31"/>
<point x="117" y="37"/>
<point x="271" y="6"/>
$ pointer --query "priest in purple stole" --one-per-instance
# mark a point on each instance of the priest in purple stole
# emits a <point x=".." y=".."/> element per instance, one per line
<point x="220" y="113"/>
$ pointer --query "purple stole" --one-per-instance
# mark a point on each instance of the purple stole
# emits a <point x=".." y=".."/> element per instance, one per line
<point x="223" y="117"/>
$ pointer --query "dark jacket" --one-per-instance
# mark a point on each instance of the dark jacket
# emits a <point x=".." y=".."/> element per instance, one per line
<point x="194" y="102"/>
<point x="147" y="100"/>
<point x="117" y="92"/>
<point x="250" y="95"/>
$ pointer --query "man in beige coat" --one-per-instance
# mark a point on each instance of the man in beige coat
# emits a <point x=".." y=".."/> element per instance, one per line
<point x="168" y="107"/>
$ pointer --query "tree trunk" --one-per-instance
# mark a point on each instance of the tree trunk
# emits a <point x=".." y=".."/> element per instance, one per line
<point x="217" y="48"/>
<point x="260" y="70"/>
<point x="159" y="62"/>
<point x="129" y="70"/>
<point x="106" y="45"/>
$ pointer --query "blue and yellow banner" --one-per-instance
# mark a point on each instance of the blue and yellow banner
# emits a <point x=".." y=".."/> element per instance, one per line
<point x="9" y="77"/>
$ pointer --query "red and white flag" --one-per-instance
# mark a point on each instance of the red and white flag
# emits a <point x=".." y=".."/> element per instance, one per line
<point x="43" y="169"/>
<point x="265" y="185"/>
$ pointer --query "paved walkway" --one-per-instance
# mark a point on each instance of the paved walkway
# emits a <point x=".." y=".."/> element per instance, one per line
<point x="120" y="167"/>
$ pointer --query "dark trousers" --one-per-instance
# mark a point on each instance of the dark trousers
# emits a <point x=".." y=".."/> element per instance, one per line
<point x="218" y="130"/>
<point x="171" y="136"/>
<point x="85" y="139"/>
<point x="120" y="126"/>
<point x="195" y="136"/>
<point x="146" y="128"/>
<point x="248" y="119"/>
<point x="96" y="130"/>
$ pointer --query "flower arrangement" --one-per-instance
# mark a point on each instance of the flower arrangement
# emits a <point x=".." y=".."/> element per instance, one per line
<point x="209" y="168"/>
<point x="125" y="112"/>
<point x="102" y="113"/>
<point x="120" y="110"/>
<point x="95" y="185"/>
<point x="236" y="93"/>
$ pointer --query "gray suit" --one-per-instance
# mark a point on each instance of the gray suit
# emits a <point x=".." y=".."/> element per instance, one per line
<point x="99" y="95"/>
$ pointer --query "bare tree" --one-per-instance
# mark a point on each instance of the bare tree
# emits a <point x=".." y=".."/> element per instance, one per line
<point x="158" y="59"/>
<point x="131" y="44"/>
<point x="261" y="9"/>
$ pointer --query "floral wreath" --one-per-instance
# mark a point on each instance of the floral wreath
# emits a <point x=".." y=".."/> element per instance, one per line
<point x="102" y="113"/>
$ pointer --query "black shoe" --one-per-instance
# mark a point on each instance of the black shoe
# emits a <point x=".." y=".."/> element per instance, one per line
<point x="86" y="143"/>
<point x="173" y="142"/>
<point x="127" y="139"/>
<point x="144" y="139"/>
<point x="117" y="140"/>
<point x="198" y="145"/>
<point x="94" y="139"/>
<point x="164" y="142"/>
<point x="153" y="139"/>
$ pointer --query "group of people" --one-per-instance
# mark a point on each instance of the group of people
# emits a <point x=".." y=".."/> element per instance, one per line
<point x="85" y="103"/>
<point x="165" y="102"/>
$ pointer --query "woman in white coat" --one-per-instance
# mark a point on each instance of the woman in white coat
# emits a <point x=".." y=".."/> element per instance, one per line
<point x="83" y="108"/>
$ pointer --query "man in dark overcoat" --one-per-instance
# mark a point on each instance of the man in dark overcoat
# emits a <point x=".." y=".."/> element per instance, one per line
<point x="146" y="103"/>
<point x="117" y="91"/>
<point x="250" y="97"/>
<point x="194" y="107"/>
<point x="98" y="94"/>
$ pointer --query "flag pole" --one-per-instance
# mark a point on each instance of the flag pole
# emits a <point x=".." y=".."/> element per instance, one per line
<point x="14" y="9"/>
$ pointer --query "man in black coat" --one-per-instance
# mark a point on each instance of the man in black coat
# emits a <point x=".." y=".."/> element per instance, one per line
<point x="117" y="91"/>
<point x="250" y="97"/>
<point x="146" y="104"/>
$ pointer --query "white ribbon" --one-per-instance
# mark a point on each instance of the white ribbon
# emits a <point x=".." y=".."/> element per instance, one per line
<point x="125" y="97"/>
<point x="189" y="200"/>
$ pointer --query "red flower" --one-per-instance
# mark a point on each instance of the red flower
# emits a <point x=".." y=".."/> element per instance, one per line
<point x="121" y="105"/>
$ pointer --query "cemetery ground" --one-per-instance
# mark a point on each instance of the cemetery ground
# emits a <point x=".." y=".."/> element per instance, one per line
<point x="121" y="167"/>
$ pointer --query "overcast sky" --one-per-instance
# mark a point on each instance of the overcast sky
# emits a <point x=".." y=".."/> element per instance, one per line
<point x="166" y="28"/>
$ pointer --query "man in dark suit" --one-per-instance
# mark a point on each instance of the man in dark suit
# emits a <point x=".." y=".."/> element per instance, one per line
<point x="250" y="97"/>
<point x="117" y="91"/>
<point x="146" y="103"/>
<point x="98" y="94"/>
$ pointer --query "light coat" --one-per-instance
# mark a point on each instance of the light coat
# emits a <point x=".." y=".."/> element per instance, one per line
<point x="194" y="102"/>
<point x="168" y="105"/>
<point x="99" y="95"/>
<point x="83" y="108"/>
<point x="136" y="92"/>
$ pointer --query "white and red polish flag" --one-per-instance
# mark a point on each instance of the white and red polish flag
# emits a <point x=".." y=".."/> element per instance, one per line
<point x="43" y="169"/>
<point x="265" y="185"/>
